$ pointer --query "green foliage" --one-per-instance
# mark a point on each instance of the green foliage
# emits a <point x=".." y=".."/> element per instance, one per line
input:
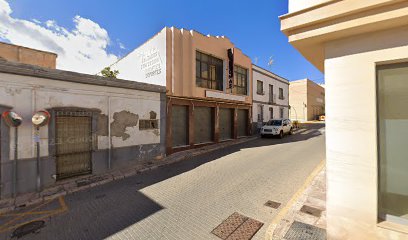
<point x="107" y="72"/>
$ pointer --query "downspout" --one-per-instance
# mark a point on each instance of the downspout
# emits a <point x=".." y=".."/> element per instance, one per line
<point x="109" y="134"/>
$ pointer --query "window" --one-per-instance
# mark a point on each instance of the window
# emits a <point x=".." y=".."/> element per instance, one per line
<point x="281" y="112"/>
<point x="271" y="98"/>
<point x="392" y="90"/>
<point x="281" y="94"/>
<point x="260" y="113"/>
<point x="148" y="124"/>
<point x="240" y="80"/>
<point x="209" y="71"/>
<point x="271" y="112"/>
<point x="259" y="87"/>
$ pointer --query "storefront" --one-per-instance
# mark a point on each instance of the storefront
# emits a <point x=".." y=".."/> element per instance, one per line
<point x="208" y="82"/>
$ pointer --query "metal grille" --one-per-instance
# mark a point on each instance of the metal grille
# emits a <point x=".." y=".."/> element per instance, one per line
<point x="299" y="230"/>
<point x="73" y="143"/>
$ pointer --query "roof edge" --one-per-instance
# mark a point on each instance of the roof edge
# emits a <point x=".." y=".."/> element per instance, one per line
<point x="75" y="77"/>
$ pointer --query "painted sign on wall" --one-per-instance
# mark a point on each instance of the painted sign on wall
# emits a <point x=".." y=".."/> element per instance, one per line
<point x="147" y="63"/>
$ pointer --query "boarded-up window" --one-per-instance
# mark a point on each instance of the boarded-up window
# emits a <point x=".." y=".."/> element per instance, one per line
<point x="179" y="128"/>
<point x="146" y="124"/>
<point x="226" y="123"/>
<point x="242" y="122"/>
<point x="203" y="125"/>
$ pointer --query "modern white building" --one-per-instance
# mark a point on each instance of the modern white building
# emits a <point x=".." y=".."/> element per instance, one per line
<point x="270" y="97"/>
<point x="362" y="48"/>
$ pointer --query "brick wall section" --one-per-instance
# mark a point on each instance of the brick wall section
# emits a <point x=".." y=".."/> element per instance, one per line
<point x="14" y="53"/>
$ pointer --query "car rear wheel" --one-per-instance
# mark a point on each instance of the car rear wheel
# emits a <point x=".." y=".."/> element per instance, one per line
<point x="281" y="134"/>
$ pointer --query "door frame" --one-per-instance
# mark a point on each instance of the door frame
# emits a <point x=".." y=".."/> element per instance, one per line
<point x="52" y="150"/>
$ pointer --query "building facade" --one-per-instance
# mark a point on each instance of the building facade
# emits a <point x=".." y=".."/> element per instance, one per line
<point x="96" y="125"/>
<point x="362" y="47"/>
<point x="203" y="106"/>
<point x="15" y="53"/>
<point x="306" y="100"/>
<point x="270" y="97"/>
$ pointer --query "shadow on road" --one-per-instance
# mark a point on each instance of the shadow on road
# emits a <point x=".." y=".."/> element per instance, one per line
<point x="102" y="211"/>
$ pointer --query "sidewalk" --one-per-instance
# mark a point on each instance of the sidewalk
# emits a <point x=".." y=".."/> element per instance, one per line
<point x="306" y="217"/>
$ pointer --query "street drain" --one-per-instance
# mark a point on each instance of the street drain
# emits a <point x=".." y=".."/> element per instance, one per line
<point x="31" y="227"/>
<point x="272" y="204"/>
<point x="237" y="227"/>
<point x="299" y="230"/>
<point x="311" y="210"/>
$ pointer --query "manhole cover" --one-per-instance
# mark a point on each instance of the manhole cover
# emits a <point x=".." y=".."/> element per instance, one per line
<point x="27" y="228"/>
<point x="272" y="204"/>
<point x="299" y="230"/>
<point x="311" y="210"/>
<point x="237" y="227"/>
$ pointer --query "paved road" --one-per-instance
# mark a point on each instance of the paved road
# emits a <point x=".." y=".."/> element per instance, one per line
<point x="188" y="199"/>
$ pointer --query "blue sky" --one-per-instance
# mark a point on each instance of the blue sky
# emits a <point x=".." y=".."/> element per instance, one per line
<point x="254" y="27"/>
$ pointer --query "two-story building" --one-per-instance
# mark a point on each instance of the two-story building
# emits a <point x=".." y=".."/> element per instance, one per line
<point x="270" y="97"/>
<point x="306" y="99"/>
<point x="208" y="82"/>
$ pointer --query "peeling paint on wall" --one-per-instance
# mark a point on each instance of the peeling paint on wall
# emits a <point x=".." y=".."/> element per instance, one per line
<point x="121" y="121"/>
<point x="103" y="122"/>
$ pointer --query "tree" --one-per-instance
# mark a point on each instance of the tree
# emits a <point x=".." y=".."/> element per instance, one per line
<point x="107" y="72"/>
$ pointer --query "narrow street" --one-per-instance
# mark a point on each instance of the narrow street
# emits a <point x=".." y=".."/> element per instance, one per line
<point x="188" y="199"/>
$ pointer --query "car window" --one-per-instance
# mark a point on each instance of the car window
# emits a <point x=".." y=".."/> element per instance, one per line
<point x="275" y="123"/>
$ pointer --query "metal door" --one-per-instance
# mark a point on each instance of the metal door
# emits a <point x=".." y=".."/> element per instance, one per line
<point x="242" y="122"/>
<point x="73" y="144"/>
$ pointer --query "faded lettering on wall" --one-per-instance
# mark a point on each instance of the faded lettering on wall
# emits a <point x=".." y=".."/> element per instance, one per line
<point x="151" y="63"/>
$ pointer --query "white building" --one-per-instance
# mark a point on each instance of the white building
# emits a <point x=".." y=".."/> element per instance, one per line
<point x="97" y="124"/>
<point x="270" y="97"/>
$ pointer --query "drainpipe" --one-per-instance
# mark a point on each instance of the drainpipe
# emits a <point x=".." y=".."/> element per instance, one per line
<point x="109" y="134"/>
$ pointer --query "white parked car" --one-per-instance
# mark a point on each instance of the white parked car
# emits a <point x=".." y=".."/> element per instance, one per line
<point x="277" y="127"/>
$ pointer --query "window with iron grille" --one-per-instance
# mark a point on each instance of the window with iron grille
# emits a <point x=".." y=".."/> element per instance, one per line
<point x="146" y="124"/>
<point x="259" y="87"/>
<point x="209" y="71"/>
<point x="240" y="80"/>
<point x="281" y="94"/>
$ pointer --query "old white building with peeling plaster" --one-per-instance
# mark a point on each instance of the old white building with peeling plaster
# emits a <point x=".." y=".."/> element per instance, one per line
<point x="96" y="124"/>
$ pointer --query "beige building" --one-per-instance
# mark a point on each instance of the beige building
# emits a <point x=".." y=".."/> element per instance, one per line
<point x="203" y="107"/>
<point x="362" y="47"/>
<point x="15" y="53"/>
<point x="306" y="100"/>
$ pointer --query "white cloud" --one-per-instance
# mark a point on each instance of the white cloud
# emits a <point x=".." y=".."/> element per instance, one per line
<point x="82" y="49"/>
